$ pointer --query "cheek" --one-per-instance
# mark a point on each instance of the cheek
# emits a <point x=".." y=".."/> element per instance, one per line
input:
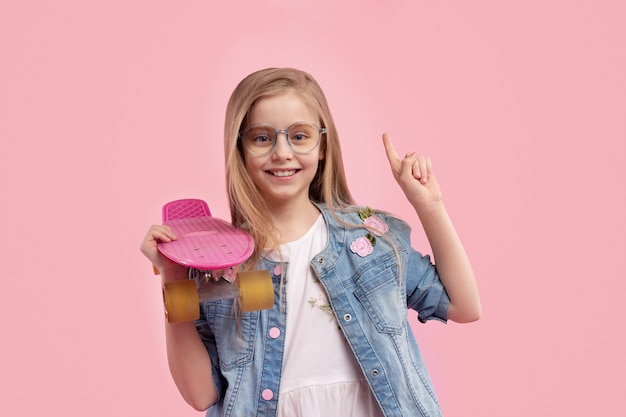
<point x="250" y="169"/>
<point x="248" y="162"/>
<point x="317" y="163"/>
<point x="322" y="151"/>
<point x="248" y="166"/>
<point x="255" y="167"/>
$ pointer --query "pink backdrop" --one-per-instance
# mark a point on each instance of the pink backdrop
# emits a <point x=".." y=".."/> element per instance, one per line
<point x="108" y="109"/>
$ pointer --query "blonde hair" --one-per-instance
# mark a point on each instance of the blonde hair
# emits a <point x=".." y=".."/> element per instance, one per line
<point x="248" y="207"/>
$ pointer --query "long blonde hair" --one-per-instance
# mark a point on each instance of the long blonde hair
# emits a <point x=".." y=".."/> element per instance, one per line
<point x="248" y="207"/>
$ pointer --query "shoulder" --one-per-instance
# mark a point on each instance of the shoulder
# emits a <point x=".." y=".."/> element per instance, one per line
<point x="358" y="216"/>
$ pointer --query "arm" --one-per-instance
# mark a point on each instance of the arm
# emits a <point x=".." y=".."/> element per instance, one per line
<point x="189" y="361"/>
<point x="414" y="175"/>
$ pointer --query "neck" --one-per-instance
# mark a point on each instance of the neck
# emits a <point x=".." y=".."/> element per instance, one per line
<point x="294" y="219"/>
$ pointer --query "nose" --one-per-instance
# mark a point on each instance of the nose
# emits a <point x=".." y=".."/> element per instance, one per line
<point x="282" y="150"/>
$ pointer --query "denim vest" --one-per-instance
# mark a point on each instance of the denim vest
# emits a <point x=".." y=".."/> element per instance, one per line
<point x="370" y="303"/>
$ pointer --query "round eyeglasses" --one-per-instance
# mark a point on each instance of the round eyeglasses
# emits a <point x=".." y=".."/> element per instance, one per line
<point x="302" y="137"/>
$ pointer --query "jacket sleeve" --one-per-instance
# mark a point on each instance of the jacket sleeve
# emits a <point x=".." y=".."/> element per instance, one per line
<point x="424" y="290"/>
<point x="207" y="337"/>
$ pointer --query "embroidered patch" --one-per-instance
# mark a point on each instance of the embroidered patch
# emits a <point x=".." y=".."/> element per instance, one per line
<point x="375" y="225"/>
<point x="364" y="246"/>
<point x="320" y="301"/>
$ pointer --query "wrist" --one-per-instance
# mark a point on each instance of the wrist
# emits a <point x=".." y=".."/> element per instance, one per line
<point x="172" y="272"/>
<point x="432" y="208"/>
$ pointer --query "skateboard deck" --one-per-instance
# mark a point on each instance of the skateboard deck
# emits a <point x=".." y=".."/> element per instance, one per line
<point x="208" y="244"/>
<point x="204" y="242"/>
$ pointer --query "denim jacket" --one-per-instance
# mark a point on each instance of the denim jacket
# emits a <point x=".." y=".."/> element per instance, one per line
<point x="370" y="302"/>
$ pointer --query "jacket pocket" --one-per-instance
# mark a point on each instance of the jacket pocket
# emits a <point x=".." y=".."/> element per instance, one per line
<point x="234" y="336"/>
<point x="379" y="293"/>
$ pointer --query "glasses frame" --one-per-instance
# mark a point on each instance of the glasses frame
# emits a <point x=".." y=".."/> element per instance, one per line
<point x="321" y="130"/>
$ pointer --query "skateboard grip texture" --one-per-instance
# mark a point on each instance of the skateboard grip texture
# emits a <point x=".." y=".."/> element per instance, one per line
<point x="182" y="209"/>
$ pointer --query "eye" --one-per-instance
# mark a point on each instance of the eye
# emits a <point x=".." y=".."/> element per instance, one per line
<point x="301" y="132"/>
<point x="300" y="136"/>
<point x="259" y="136"/>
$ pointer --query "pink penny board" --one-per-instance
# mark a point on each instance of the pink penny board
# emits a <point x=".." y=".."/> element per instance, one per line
<point x="204" y="242"/>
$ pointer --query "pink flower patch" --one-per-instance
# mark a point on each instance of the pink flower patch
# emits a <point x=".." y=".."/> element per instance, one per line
<point x="362" y="247"/>
<point x="375" y="225"/>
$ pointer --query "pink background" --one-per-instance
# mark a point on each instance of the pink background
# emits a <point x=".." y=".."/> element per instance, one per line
<point x="109" y="109"/>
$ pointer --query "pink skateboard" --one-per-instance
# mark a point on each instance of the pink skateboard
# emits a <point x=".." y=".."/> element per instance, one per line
<point x="208" y="244"/>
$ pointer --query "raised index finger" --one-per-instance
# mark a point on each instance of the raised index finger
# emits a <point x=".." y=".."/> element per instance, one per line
<point x="392" y="155"/>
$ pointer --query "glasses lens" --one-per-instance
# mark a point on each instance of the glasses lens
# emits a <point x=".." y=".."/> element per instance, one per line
<point x="304" y="136"/>
<point x="258" y="139"/>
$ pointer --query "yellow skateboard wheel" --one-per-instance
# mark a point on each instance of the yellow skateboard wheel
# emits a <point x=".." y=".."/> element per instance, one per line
<point x="180" y="299"/>
<point x="256" y="290"/>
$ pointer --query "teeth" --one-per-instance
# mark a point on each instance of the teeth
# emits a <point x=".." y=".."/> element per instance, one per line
<point x="283" y="173"/>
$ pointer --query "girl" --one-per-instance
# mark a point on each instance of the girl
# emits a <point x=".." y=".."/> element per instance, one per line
<point x="337" y="341"/>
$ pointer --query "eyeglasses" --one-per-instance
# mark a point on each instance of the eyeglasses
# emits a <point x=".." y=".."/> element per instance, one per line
<point x="302" y="137"/>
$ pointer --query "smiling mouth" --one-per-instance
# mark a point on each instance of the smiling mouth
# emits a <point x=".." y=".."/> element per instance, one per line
<point x="285" y="173"/>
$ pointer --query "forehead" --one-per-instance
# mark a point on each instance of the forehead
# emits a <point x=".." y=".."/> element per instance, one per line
<point x="282" y="110"/>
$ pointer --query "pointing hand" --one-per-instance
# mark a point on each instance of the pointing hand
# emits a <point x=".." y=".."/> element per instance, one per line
<point x="414" y="175"/>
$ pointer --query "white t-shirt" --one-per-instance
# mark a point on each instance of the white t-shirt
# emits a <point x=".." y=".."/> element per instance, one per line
<point x="320" y="376"/>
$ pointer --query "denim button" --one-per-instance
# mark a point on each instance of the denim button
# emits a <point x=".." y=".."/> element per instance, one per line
<point x="347" y="317"/>
<point x="320" y="261"/>
<point x="274" y="332"/>
<point x="375" y="372"/>
<point x="267" y="394"/>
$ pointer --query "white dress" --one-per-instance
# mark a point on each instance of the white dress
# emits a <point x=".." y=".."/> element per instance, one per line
<point x="320" y="376"/>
